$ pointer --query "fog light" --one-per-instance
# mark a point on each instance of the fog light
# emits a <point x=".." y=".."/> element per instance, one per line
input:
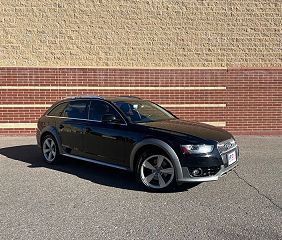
<point x="197" y="172"/>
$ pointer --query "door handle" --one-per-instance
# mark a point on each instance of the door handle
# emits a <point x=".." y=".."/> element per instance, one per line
<point x="61" y="126"/>
<point x="87" y="130"/>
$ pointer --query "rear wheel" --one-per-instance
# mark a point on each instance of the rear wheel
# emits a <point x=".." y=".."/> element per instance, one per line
<point x="50" y="149"/>
<point x="156" y="171"/>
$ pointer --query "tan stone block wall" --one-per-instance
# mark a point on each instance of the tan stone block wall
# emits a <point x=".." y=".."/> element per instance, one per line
<point x="132" y="33"/>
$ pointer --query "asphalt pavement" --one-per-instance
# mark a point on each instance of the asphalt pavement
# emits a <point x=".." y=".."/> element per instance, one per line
<point x="79" y="200"/>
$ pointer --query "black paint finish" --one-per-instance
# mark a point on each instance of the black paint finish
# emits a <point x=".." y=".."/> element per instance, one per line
<point x="113" y="142"/>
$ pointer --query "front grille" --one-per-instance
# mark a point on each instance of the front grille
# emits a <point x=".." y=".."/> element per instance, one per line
<point x="225" y="146"/>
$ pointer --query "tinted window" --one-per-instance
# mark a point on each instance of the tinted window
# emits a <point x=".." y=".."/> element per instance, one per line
<point x="57" y="111"/>
<point x="143" y="111"/>
<point x="99" y="108"/>
<point x="77" y="109"/>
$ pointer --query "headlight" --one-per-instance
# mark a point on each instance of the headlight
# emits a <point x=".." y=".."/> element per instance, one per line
<point x="197" y="149"/>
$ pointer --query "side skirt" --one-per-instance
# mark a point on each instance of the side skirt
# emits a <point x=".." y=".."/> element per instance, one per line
<point x="97" y="162"/>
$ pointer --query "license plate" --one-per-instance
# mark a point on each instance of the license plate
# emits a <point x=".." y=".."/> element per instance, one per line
<point x="231" y="157"/>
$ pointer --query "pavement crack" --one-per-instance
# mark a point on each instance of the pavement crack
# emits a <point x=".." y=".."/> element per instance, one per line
<point x="258" y="191"/>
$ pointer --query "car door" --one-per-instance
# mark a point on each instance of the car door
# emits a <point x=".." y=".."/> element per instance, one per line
<point x="71" y="126"/>
<point x="105" y="141"/>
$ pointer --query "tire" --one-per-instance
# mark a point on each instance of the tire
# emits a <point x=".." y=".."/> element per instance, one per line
<point x="50" y="150"/>
<point x="156" y="172"/>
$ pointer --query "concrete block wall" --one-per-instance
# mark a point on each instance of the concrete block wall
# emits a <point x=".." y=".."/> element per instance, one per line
<point x="145" y="33"/>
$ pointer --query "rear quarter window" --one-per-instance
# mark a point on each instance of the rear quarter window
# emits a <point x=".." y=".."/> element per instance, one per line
<point x="77" y="109"/>
<point x="57" y="111"/>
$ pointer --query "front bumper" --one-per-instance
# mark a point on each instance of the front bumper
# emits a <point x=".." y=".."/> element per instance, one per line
<point x="222" y="169"/>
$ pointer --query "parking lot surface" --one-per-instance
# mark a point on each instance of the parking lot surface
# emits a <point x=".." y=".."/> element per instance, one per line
<point x="79" y="200"/>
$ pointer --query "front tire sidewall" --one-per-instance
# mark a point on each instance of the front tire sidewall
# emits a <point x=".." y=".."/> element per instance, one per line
<point x="57" y="155"/>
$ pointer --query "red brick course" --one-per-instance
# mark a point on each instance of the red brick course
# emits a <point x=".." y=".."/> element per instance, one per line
<point x="253" y="97"/>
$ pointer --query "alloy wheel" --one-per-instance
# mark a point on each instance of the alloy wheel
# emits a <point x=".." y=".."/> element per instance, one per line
<point x="157" y="172"/>
<point x="49" y="149"/>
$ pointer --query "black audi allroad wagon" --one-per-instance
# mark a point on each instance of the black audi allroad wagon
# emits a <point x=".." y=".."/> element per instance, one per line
<point x="136" y="135"/>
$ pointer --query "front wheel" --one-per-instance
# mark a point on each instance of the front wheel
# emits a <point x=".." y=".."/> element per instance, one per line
<point x="50" y="149"/>
<point x="156" y="172"/>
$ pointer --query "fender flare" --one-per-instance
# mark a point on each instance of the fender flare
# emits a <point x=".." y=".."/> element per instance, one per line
<point x="56" y="135"/>
<point x="164" y="146"/>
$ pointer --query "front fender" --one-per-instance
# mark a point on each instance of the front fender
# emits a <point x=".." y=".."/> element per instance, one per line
<point x="164" y="146"/>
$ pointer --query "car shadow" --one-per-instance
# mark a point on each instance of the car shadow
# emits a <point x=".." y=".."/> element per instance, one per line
<point x="95" y="173"/>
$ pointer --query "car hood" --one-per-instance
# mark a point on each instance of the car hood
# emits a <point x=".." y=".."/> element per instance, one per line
<point x="196" y="129"/>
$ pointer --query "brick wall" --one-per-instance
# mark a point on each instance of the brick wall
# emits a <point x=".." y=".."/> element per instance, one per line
<point x="244" y="101"/>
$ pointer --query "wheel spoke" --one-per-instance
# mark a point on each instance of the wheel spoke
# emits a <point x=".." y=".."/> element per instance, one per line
<point x="46" y="150"/>
<point x="160" y="161"/>
<point x="150" y="177"/>
<point x="52" y="144"/>
<point x="48" y="143"/>
<point x="167" y="171"/>
<point x="53" y="153"/>
<point x="50" y="156"/>
<point x="161" y="181"/>
<point x="148" y="165"/>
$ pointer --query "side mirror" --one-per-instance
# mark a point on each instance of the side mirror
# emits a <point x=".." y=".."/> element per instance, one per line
<point x="110" y="118"/>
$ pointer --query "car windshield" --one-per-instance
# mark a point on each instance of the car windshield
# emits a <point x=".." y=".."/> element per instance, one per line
<point x="143" y="111"/>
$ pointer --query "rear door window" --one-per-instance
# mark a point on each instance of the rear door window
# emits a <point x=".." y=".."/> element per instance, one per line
<point x="77" y="109"/>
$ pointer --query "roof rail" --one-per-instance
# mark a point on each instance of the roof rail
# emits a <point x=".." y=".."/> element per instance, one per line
<point x="85" y="96"/>
<point x="129" y="97"/>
